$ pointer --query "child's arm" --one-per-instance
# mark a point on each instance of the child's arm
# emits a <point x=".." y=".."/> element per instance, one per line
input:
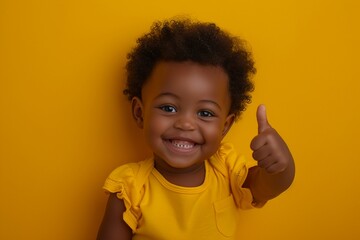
<point x="276" y="169"/>
<point x="113" y="226"/>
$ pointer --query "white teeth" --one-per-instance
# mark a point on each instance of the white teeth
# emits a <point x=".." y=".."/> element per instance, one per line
<point x="182" y="144"/>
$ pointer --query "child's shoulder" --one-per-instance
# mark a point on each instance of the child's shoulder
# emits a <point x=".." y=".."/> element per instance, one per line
<point x="129" y="174"/>
<point x="131" y="169"/>
<point x="227" y="159"/>
<point x="226" y="150"/>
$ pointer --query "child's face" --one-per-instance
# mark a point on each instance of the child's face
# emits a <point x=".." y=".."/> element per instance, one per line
<point x="184" y="112"/>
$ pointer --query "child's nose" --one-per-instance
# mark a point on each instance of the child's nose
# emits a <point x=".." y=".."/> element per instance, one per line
<point x="185" y="122"/>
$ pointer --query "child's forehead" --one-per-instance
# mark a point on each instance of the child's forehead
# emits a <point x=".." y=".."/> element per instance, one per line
<point x="173" y="69"/>
<point x="187" y="76"/>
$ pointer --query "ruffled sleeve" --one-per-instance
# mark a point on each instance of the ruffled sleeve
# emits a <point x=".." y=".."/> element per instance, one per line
<point x="127" y="182"/>
<point x="236" y="167"/>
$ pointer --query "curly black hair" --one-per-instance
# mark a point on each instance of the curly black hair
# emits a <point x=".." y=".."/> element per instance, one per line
<point x="203" y="43"/>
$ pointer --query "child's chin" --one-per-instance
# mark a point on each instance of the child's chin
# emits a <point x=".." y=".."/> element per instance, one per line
<point x="183" y="163"/>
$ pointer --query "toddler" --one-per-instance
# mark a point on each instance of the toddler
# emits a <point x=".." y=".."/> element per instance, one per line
<point x="188" y="82"/>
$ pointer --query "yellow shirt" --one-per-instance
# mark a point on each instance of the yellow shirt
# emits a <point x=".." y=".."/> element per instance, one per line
<point x="158" y="209"/>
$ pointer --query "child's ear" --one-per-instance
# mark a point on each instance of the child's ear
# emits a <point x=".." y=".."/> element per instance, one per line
<point x="228" y="123"/>
<point x="137" y="111"/>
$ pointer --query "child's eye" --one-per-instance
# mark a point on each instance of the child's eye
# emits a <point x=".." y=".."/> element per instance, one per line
<point x="205" y="113"/>
<point x="168" y="108"/>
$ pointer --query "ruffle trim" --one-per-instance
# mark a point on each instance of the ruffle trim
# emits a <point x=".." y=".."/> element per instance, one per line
<point x="123" y="181"/>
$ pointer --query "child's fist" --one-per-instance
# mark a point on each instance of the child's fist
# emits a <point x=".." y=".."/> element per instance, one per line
<point x="269" y="149"/>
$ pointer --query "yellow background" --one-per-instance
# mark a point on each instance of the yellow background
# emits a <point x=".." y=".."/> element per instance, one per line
<point x="64" y="124"/>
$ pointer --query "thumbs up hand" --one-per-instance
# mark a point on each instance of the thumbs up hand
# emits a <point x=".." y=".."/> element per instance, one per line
<point x="269" y="149"/>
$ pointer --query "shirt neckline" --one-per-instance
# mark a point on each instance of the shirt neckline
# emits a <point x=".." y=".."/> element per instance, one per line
<point x="181" y="189"/>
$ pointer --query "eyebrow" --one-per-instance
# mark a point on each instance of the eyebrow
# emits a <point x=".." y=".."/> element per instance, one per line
<point x="177" y="97"/>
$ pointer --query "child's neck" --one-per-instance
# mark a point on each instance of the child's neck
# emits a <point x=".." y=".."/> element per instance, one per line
<point x="190" y="177"/>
